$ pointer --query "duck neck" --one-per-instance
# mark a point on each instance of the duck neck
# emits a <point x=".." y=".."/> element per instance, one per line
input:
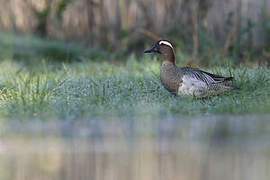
<point x="168" y="55"/>
<point x="168" y="58"/>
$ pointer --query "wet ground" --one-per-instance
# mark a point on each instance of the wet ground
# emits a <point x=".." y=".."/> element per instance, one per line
<point x="145" y="148"/>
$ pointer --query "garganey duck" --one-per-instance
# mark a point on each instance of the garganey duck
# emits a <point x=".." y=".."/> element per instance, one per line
<point x="187" y="80"/>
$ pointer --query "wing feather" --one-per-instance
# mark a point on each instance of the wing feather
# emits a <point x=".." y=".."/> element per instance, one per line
<point x="206" y="77"/>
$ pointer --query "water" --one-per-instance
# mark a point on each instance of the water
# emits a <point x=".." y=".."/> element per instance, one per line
<point x="169" y="148"/>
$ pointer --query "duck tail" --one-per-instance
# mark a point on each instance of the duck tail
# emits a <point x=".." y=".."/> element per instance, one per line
<point x="235" y="88"/>
<point x="231" y="86"/>
<point x="228" y="78"/>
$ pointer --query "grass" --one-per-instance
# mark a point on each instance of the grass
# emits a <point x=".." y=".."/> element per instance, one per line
<point x="92" y="89"/>
<point x="128" y="88"/>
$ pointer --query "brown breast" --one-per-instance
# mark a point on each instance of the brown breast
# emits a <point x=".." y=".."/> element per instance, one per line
<point x="170" y="76"/>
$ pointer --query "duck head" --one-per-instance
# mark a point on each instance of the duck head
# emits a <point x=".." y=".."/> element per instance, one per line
<point x="163" y="47"/>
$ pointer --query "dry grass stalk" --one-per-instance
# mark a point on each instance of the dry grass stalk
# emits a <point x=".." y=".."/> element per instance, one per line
<point x="149" y="34"/>
<point x="195" y="32"/>
<point x="232" y="35"/>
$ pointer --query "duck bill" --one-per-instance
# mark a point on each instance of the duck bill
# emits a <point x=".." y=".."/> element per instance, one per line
<point x="148" y="51"/>
<point x="153" y="49"/>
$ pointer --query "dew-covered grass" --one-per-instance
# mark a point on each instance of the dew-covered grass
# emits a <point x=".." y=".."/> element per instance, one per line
<point x="132" y="87"/>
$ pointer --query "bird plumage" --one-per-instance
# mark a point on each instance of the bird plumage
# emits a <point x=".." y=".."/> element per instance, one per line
<point x="187" y="80"/>
<point x="205" y="76"/>
<point x="202" y="84"/>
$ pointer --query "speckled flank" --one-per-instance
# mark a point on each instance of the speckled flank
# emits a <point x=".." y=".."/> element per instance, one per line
<point x="198" y="88"/>
<point x="192" y="86"/>
<point x="202" y="84"/>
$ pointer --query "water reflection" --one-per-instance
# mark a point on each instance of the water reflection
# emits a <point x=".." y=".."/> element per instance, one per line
<point x="200" y="148"/>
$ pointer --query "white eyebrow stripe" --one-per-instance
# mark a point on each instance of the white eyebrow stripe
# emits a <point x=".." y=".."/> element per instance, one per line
<point x="166" y="43"/>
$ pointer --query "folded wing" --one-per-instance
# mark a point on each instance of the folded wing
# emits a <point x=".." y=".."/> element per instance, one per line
<point x="206" y="77"/>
